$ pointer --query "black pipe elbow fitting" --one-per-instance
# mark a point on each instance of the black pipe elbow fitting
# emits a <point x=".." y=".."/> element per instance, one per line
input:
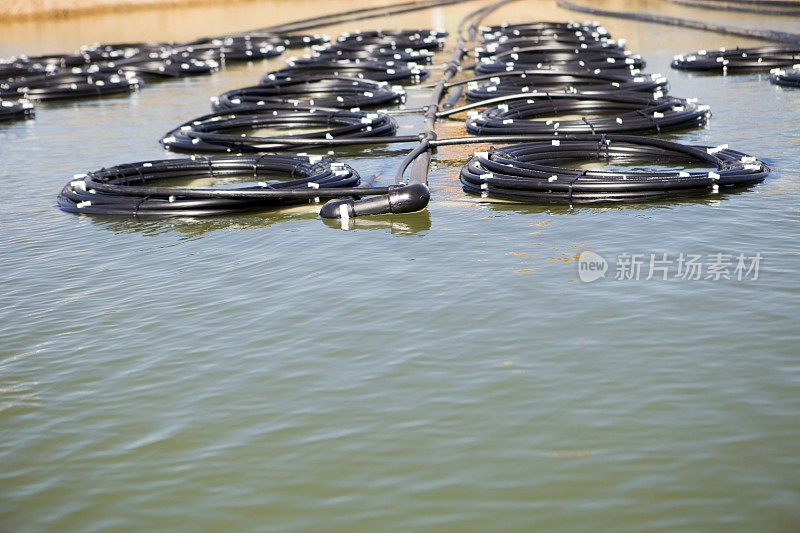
<point x="400" y="199"/>
<point x="332" y="208"/>
<point x="408" y="198"/>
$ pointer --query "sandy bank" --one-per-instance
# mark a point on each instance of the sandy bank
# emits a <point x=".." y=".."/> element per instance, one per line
<point x="13" y="10"/>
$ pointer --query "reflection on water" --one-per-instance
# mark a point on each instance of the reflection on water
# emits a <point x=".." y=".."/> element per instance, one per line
<point x="196" y="227"/>
<point x="605" y="206"/>
<point x="410" y="224"/>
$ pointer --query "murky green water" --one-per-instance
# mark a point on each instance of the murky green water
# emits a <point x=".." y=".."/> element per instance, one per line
<point x="444" y="371"/>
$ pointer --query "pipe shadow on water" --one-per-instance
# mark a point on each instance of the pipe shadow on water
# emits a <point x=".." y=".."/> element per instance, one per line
<point x="193" y="228"/>
<point x="196" y="227"/>
<point x="406" y="224"/>
<point x="502" y="206"/>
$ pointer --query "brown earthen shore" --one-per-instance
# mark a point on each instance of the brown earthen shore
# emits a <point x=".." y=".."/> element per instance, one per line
<point x="15" y="10"/>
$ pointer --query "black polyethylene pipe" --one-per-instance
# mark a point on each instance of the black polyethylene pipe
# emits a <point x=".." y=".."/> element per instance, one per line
<point x="415" y="195"/>
<point x="60" y="86"/>
<point x="738" y="59"/>
<point x="226" y="131"/>
<point x="785" y="77"/>
<point x="618" y="112"/>
<point x="132" y="189"/>
<point x="312" y="90"/>
<point x="533" y="172"/>
<point x="15" y="109"/>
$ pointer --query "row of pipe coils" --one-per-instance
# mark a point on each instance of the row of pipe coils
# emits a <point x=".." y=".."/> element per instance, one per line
<point x="109" y="69"/>
<point x="571" y="89"/>
<point x="782" y="63"/>
<point x="587" y="98"/>
<point x="335" y="91"/>
<point x="332" y="92"/>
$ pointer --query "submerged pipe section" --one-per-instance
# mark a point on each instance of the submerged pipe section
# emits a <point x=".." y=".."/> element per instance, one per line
<point x="414" y="195"/>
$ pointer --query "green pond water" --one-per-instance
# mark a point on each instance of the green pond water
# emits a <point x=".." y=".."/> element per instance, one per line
<point x="441" y="371"/>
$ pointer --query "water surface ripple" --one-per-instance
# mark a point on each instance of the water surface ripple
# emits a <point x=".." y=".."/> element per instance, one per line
<point x="444" y="371"/>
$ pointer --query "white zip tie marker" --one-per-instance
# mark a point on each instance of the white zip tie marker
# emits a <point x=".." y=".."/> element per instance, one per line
<point x="716" y="149"/>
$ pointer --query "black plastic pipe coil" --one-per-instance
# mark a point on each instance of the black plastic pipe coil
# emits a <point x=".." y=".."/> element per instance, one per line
<point x="489" y="86"/>
<point x="15" y="109"/>
<point x="104" y="69"/>
<point x="290" y="98"/>
<point x="587" y="61"/>
<point x="789" y="77"/>
<point x="377" y="55"/>
<point x="315" y="90"/>
<point x="725" y="60"/>
<point x="499" y="32"/>
<point x="369" y="69"/>
<point x="538" y="171"/>
<point x="67" y="85"/>
<point x="224" y="131"/>
<point x="375" y="52"/>
<point x="397" y="39"/>
<point x="618" y="112"/>
<point x="524" y="45"/>
<point x="132" y="189"/>
<point x="154" y="67"/>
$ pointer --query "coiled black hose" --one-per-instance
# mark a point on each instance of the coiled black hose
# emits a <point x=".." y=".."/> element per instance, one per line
<point x="533" y="44"/>
<point x="261" y="39"/>
<point x="15" y="109"/>
<point x="104" y="69"/>
<point x="398" y="39"/>
<point x="534" y="172"/>
<point x="149" y="69"/>
<point x="738" y="59"/>
<point x="368" y="69"/>
<point x="415" y="195"/>
<point x="132" y="190"/>
<point x="15" y="69"/>
<point x="58" y="86"/>
<point x="587" y="61"/>
<point x="341" y="93"/>
<point x="618" y="112"/>
<point x="229" y="53"/>
<point x="786" y="77"/>
<point x="399" y="34"/>
<point x="110" y="51"/>
<point x="554" y="51"/>
<point x="225" y="131"/>
<point x="371" y="52"/>
<point x="569" y="81"/>
<point x="512" y="30"/>
<point x="168" y="68"/>
<point x="62" y="61"/>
